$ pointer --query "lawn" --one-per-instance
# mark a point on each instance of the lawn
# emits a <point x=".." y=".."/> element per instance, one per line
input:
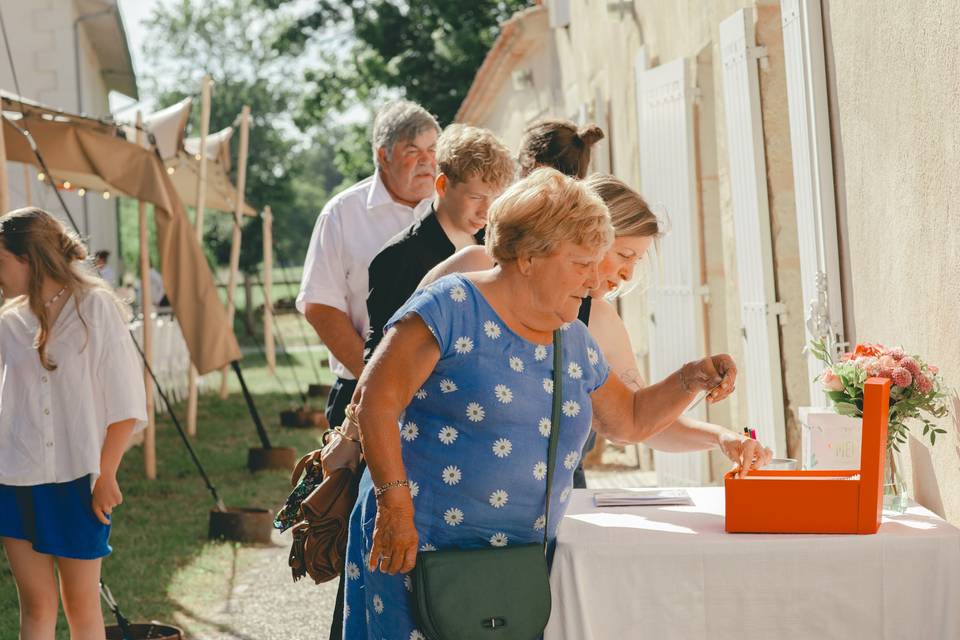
<point x="162" y="526"/>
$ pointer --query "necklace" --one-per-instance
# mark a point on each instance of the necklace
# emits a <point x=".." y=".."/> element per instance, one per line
<point x="54" y="298"/>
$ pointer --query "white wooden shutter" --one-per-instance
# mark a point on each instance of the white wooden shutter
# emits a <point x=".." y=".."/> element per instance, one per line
<point x="812" y="177"/>
<point x="559" y="13"/>
<point x="761" y="373"/>
<point x="668" y="180"/>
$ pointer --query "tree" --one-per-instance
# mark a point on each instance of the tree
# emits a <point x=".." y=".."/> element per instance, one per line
<point x="227" y="39"/>
<point x="428" y="50"/>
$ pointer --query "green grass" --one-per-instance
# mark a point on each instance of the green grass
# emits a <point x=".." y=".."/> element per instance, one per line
<point x="161" y="551"/>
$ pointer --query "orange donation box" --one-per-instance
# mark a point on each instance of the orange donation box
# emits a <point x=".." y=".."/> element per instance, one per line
<point x="818" y="501"/>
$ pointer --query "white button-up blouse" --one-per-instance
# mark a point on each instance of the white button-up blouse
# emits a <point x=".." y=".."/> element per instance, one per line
<point x="53" y="423"/>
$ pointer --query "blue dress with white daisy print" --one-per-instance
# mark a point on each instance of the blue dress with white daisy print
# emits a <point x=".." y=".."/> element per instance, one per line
<point x="474" y="442"/>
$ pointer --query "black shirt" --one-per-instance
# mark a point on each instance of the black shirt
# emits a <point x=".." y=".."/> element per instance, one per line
<point x="400" y="266"/>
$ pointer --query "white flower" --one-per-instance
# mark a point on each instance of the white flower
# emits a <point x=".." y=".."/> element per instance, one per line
<point x="499" y="498"/>
<point x="428" y="547"/>
<point x="421" y="394"/>
<point x="458" y="293"/>
<point x="463" y="345"/>
<point x="414" y="489"/>
<point x="571" y="459"/>
<point x="410" y="431"/>
<point x="408" y="583"/>
<point x="346" y="611"/>
<point x="447" y="435"/>
<point x="451" y="475"/>
<point x="492" y="329"/>
<point x="565" y="494"/>
<point x="540" y="523"/>
<point x="516" y="364"/>
<point x="353" y="571"/>
<point x="593" y="356"/>
<point x="502" y="448"/>
<point x="447" y="385"/>
<point x="571" y="408"/>
<point x="540" y="353"/>
<point x="565" y="326"/>
<point x="574" y="370"/>
<point x="544" y="427"/>
<point x="416" y="635"/>
<point x="377" y="603"/>
<point x="540" y="470"/>
<point x="475" y="412"/>
<point x="453" y="516"/>
<point x="548" y="385"/>
<point x="498" y="539"/>
<point x="503" y="393"/>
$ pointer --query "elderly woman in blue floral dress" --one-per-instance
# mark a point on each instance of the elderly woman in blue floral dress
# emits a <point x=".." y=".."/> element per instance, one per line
<point x="454" y="407"/>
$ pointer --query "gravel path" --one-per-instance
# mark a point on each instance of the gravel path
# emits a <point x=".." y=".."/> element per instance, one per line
<point x="262" y="601"/>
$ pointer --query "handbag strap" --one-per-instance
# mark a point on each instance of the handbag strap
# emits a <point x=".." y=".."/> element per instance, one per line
<point x="554" y="427"/>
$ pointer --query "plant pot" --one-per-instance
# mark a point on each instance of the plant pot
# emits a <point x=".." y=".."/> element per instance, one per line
<point x="260" y="459"/>
<point x="145" y="631"/>
<point x="250" y="525"/>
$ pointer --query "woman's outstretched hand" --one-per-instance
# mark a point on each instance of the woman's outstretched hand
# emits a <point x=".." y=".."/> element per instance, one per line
<point x="717" y="375"/>
<point x="745" y="453"/>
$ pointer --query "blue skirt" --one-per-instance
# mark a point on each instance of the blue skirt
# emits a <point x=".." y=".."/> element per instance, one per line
<point x="57" y="518"/>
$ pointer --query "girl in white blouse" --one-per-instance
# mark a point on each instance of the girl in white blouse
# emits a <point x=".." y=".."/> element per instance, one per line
<point x="71" y="395"/>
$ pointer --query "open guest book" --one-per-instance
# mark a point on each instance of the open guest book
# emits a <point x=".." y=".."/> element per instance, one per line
<point x="642" y="497"/>
<point x="811" y="501"/>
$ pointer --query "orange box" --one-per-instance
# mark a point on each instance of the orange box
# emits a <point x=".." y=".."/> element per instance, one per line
<point x="820" y="501"/>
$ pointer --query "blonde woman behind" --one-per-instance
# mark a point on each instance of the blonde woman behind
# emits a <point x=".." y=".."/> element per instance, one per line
<point x="636" y="227"/>
<point x="71" y="395"/>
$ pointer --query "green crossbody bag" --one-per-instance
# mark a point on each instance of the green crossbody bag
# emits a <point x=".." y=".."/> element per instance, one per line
<point x="501" y="593"/>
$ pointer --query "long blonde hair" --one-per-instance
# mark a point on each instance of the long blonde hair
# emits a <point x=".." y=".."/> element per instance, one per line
<point x="629" y="212"/>
<point x="52" y="253"/>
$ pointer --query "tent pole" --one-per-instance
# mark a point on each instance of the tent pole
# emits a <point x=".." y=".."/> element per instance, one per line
<point x="268" y="289"/>
<point x="146" y="303"/>
<point x="4" y="184"/>
<point x="193" y="396"/>
<point x="237" y="217"/>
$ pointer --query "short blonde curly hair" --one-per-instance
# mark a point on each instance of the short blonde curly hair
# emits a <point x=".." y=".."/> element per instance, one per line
<point x="546" y="208"/>
<point x="465" y="152"/>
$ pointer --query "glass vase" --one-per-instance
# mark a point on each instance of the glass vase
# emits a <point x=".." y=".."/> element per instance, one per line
<point x="894" y="487"/>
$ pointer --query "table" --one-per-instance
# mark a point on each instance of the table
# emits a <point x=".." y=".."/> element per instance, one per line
<point x="673" y="572"/>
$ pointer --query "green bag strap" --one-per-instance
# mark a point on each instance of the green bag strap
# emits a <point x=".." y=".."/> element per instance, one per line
<point x="554" y="426"/>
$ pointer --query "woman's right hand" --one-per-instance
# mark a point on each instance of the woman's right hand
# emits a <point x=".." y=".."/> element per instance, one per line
<point x="395" y="536"/>
<point x="717" y="375"/>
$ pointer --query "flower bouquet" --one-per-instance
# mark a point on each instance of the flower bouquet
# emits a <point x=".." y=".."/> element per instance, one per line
<point x="915" y="392"/>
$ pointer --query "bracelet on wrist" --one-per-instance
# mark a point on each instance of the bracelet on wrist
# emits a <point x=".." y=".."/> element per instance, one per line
<point x="379" y="491"/>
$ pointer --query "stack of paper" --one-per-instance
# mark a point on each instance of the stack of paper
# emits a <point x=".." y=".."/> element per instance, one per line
<point x="642" y="497"/>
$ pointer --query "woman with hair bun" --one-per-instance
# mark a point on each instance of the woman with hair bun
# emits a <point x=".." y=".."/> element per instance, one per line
<point x="559" y="144"/>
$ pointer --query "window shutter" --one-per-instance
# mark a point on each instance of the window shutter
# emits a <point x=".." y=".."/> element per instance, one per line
<point x="668" y="181"/>
<point x="751" y="216"/>
<point x="559" y="13"/>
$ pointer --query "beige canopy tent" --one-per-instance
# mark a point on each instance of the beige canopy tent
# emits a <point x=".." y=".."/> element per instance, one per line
<point x="95" y="155"/>
<point x="182" y="158"/>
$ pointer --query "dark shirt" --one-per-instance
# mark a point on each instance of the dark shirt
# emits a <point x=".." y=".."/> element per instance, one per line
<point x="400" y="266"/>
<point x="584" y="314"/>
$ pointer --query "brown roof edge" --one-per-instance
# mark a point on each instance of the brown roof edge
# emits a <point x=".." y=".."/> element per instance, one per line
<point x="517" y="34"/>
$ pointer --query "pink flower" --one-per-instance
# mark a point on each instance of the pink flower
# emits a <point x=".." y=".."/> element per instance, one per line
<point x="870" y="365"/>
<point x="934" y="369"/>
<point x="888" y="362"/>
<point x="910" y="365"/>
<point x="901" y="377"/>
<point x="923" y="383"/>
<point x="830" y="380"/>
<point x="886" y="373"/>
<point x="896" y="353"/>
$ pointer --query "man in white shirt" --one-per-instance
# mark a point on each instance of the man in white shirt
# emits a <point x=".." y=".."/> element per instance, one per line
<point x="351" y="230"/>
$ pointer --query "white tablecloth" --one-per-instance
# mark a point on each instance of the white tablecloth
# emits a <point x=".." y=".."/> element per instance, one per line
<point x="673" y="572"/>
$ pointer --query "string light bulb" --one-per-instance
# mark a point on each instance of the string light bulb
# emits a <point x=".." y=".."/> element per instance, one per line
<point x="170" y="170"/>
<point x="41" y="176"/>
<point x="106" y="195"/>
<point x="67" y="185"/>
<point x="81" y="192"/>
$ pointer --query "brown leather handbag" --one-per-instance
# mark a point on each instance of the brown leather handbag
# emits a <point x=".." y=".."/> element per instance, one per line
<point x="321" y="521"/>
